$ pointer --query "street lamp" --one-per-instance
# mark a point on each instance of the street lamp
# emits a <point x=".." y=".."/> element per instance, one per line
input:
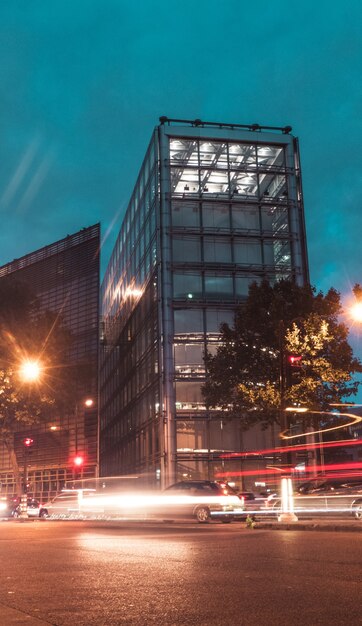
<point x="78" y="460"/>
<point x="29" y="371"/>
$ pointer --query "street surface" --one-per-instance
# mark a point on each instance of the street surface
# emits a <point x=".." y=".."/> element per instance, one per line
<point x="176" y="574"/>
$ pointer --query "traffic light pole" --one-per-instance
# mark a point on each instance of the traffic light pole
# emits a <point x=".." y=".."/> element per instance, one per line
<point x="24" y="496"/>
<point x="287" y="514"/>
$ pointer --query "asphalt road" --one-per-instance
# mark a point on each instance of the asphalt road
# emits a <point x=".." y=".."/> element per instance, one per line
<point x="180" y="574"/>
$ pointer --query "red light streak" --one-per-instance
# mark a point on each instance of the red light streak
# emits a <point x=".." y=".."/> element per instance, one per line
<point x="308" y="468"/>
<point x="298" y="448"/>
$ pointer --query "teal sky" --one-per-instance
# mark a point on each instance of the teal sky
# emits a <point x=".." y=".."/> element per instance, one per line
<point x="83" y="83"/>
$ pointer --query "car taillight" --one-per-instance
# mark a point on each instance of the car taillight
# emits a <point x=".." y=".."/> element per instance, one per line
<point x="242" y="499"/>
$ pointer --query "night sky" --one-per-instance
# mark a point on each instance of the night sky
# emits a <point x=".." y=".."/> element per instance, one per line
<point x="84" y="82"/>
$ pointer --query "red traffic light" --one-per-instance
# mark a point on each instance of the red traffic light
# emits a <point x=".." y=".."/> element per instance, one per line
<point x="294" y="360"/>
<point x="28" y="442"/>
<point x="78" y="461"/>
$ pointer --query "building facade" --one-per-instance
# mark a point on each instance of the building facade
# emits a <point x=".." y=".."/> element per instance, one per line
<point x="65" y="278"/>
<point x="215" y="207"/>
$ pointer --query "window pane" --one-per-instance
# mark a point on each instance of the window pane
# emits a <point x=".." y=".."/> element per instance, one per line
<point x="215" y="216"/>
<point x="270" y="156"/>
<point x="242" y="284"/>
<point x="188" y="321"/>
<point x="185" y="214"/>
<point x="187" y="285"/>
<point x="275" y="219"/>
<point x="214" y="181"/>
<point x="189" y="247"/>
<point x="189" y="359"/>
<point x="245" y="217"/>
<point x="183" y="152"/>
<point x="247" y="251"/>
<point x="217" y="250"/>
<point x="277" y="252"/>
<point x="218" y="286"/>
<point x="242" y="156"/>
<point x="213" y="154"/>
<point x="184" y="180"/>
<point x="215" y="318"/>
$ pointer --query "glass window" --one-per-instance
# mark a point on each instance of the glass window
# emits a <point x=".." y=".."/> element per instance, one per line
<point x="247" y="251"/>
<point x="214" y="181"/>
<point x="244" y="184"/>
<point x="217" y="250"/>
<point x="215" y="216"/>
<point x="189" y="393"/>
<point x="213" y="154"/>
<point x="186" y="249"/>
<point x="242" y="156"/>
<point x="187" y="285"/>
<point x="191" y="436"/>
<point x="277" y="252"/>
<point x="218" y="286"/>
<point x="184" y="180"/>
<point x="270" y="156"/>
<point x="273" y="186"/>
<point x="245" y="217"/>
<point x="275" y="219"/>
<point x="217" y="317"/>
<point x="183" y="151"/>
<point x="188" y="321"/>
<point x="242" y="284"/>
<point x="185" y="214"/>
<point x="189" y="359"/>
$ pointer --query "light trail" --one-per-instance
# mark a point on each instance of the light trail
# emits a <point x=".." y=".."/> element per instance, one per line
<point x="298" y="448"/>
<point x="356" y="419"/>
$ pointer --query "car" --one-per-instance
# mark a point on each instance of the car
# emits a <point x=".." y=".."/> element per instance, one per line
<point x="34" y="508"/>
<point x="65" y="504"/>
<point x="324" y="496"/>
<point x="255" y="504"/>
<point x="203" y="500"/>
<point x="7" y="505"/>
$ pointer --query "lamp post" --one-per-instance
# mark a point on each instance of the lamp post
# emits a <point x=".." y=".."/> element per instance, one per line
<point x="29" y="371"/>
<point x="287" y="504"/>
<point x="78" y="459"/>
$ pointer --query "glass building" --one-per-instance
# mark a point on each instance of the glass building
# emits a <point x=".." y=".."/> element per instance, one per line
<point x="65" y="278"/>
<point x="215" y="207"/>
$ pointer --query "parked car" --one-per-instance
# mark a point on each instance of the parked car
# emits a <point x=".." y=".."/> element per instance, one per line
<point x="321" y="497"/>
<point x="202" y="499"/>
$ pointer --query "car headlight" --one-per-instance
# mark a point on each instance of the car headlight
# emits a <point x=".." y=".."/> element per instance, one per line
<point x="3" y="506"/>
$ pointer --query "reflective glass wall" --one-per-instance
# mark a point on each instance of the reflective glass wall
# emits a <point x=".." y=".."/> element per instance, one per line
<point x="213" y="210"/>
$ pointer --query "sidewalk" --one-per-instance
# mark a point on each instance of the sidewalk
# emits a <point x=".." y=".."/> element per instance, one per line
<point x="322" y="525"/>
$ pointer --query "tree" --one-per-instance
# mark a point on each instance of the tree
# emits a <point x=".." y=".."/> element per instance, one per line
<point x="26" y="333"/>
<point x="247" y="376"/>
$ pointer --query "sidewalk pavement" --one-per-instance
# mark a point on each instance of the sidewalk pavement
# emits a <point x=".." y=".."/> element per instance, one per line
<point x="311" y="524"/>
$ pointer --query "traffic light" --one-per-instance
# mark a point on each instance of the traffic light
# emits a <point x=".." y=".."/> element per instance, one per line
<point x="28" y="441"/>
<point x="294" y="369"/>
<point x="78" y="461"/>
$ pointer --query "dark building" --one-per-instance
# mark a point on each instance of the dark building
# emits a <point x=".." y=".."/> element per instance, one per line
<point x="65" y="278"/>
<point x="215" y="207"/>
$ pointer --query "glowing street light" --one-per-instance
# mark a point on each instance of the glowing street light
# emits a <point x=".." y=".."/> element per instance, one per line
<point x="30" y="370"/>
<point x="356" y="311"/>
